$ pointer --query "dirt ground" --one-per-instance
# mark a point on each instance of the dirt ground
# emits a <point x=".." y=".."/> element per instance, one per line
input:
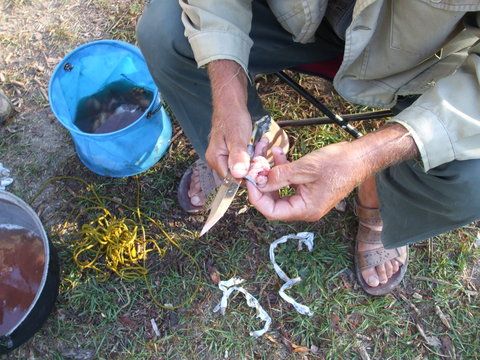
<point x="34" y="37"/>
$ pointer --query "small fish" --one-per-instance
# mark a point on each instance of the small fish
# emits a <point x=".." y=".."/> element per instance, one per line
<point x="122" y="116"/>
<point x="113" y="108"/>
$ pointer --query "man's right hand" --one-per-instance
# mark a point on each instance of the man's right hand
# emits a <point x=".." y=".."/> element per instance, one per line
<point x="231" y="121"/>
<point x="227" y="149"/>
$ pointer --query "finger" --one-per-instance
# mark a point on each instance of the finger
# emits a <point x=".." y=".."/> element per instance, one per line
<point x="279" y="176"/>
<point x="261" y="147"/>
<point x="279" y="157"/>
<point x="261" y="180"/>
<point x="290" y="208"/>
<point x="274" y="182"/>
<point x="217" y="159"/>
<point x="238" y="159"/>
<point x="220" y="165"/>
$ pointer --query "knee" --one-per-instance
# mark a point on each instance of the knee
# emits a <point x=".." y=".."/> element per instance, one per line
<point x="160" y="36"/>
<point x="469" y="174"/>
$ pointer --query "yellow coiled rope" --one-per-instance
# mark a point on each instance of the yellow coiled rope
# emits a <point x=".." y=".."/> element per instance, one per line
<point x="109" y="244"/>
<point x="118" y="242"/>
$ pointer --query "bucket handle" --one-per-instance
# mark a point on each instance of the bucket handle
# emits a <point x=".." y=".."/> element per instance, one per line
<point x="154" y="111"/>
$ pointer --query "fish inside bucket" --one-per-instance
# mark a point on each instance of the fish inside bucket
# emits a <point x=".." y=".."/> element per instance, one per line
<point x="114" y="107"/>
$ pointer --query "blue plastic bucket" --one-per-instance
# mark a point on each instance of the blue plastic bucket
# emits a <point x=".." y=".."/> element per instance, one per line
<point x="86" y="71"/>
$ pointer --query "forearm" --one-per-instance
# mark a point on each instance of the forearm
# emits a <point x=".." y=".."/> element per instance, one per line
<point x="229" y="88"/>
<point x="390" y="145"/>
<point x="231" y="121"/>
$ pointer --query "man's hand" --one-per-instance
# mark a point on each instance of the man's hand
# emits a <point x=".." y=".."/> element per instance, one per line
<point x="320" y="179"/>
<point x="231" y="121"/>
<point x="324" y="177"/>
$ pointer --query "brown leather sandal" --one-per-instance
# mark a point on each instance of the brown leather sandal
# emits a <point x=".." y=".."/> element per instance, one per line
<point x="208" y="183"/>
<point x="369" y="231"/>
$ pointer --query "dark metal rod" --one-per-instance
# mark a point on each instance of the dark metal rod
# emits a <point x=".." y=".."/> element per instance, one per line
<point x="326" y="120"/>
<point x="320" y="106"/>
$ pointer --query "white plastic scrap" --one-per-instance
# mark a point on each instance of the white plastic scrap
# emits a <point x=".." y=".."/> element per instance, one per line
<point x="5" y="178"/>
<point x="230" y="286"/>
<point x="304" y="238"/>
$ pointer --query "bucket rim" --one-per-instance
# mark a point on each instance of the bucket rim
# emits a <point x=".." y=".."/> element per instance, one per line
<point x="80" y="48"/>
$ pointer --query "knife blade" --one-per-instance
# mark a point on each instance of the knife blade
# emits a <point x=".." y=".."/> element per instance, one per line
<point x="225" y="195"/>
<point x="229" y="187"/>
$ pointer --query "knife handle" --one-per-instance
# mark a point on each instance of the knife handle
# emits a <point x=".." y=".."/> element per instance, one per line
<point x="250" y="150"/>
<point x="260" y="128"/>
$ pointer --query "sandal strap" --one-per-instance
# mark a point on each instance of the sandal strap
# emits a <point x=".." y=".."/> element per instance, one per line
<point x="276" y="137"/>
<point x="369" y="217"/>
<point x="368" y="235"/>
<point x="206" y="176"/>
<point x="371" y="258"/>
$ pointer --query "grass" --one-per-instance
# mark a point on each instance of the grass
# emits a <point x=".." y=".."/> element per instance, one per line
<point x="113" y="319"/>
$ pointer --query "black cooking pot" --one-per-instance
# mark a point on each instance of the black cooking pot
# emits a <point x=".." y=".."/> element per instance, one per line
<point x="29" y="273"/>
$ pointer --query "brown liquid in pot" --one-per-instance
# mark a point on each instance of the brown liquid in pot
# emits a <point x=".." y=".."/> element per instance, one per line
<point x="22" y="259"/>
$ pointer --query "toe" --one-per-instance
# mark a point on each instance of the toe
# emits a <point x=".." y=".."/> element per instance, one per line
<point x="195" y="193"/>
<point x="195" y="188"/>
<point x="395" y="265"/>
<point x="198" y="199"/>
<point x="370" y="276"/>
<point x="388" y="269"/>
<point x="195" y="200"/>
<point x="382" y="273"/>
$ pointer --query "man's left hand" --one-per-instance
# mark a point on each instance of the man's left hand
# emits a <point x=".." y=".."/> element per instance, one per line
<point x="324" y="177"/>
<point x="320" y="180"/>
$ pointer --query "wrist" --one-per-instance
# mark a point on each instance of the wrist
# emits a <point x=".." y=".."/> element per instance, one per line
<point x="229" y="85"/>
<point x="385" y="147"/>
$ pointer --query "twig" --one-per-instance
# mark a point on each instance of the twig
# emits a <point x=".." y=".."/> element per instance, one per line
<point x="436" y="281"/>
<point x="436" y="353"/>
<point x="179" y="132"/>
<point x="126" y="293"/>
<point x="155" y="327"/>
<point x="363" y="352"/>
<point x="431" y="340"/>
<point x="363" y="337"/>
<point x="410" y="304"/>
<point x="442" y="317"/>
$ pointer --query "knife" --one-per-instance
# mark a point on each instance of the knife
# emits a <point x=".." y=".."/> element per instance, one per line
<point x="230" y="185"/>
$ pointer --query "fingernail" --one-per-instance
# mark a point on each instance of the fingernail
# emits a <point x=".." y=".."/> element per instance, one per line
<point x="240" y="168"/>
